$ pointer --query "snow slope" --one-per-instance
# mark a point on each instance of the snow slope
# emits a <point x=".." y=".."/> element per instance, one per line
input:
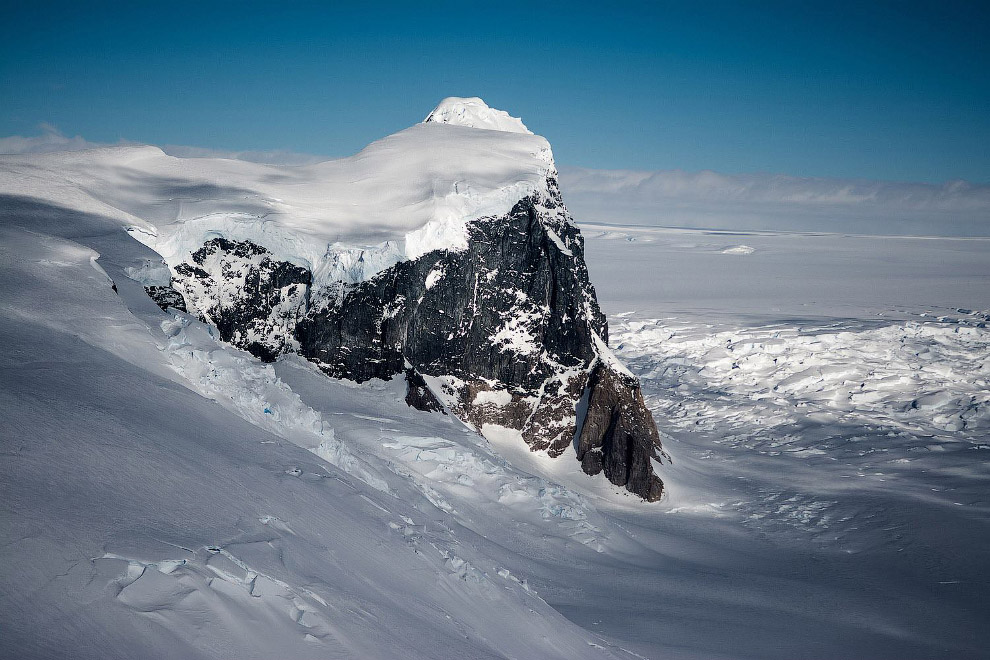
<point x="165" y="495"/>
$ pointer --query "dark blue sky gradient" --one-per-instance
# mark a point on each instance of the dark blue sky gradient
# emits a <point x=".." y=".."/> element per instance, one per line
<point x="876" y="90"/>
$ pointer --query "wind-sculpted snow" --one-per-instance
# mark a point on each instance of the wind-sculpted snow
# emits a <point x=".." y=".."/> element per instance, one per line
<point x="399" y="198"/>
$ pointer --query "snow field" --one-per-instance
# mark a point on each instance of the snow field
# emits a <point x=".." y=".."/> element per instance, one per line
<point x="154" y="490"/>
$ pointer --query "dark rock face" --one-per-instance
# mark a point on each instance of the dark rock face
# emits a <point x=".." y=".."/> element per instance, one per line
<point x="507" y="332"/>
<point x="252" y="299"/>
<point x="418" y="394"/>
<point x="165" y="297"/>
<point x="515" y="314"/>
<point x="618" y="435"/>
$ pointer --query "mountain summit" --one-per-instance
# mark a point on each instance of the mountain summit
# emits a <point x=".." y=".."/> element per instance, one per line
<point x="474" y="113"/>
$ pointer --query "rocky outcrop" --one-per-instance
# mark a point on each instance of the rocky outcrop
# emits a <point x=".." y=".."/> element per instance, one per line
<point x="510" y="319"/>
<point x="165" y="297"/>
<point x="618" y="436"/>
<point x="505" y="333"/>
<point x="419" y="395"/>
<point x="253" y="300"/>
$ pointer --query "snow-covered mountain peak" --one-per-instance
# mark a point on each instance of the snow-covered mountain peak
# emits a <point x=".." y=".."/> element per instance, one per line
<point x="474" y="113"/>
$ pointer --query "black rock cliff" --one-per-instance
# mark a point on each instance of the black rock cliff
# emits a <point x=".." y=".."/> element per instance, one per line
<point x="506" y="333"/>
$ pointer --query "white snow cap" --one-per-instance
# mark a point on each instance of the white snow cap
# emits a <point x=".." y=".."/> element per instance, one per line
<point x="345" y="220"/>
<point x="474" y="113"/>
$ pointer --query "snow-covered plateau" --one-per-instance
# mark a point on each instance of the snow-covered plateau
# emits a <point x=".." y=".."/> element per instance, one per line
<point x="165" y="494"/>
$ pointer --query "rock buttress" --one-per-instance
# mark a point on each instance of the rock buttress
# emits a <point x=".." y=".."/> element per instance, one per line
<point x="618" y="435"/>
<point x="507" y="328"/>
<point x="507" y="333"/>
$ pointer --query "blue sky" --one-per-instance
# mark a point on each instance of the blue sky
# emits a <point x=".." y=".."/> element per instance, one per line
<point x="896" y="91"/>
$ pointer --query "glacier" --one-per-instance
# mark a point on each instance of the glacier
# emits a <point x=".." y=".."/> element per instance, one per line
<point x="166" y="494"/>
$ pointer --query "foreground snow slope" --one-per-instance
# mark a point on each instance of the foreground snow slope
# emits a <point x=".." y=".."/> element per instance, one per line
<point x="159" y="499"/>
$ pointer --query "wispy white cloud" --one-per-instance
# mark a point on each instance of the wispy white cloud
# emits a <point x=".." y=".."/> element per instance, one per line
<point x="692" y="199"/>
<point x="51" y="139"/>
<point x="776" y="202"/>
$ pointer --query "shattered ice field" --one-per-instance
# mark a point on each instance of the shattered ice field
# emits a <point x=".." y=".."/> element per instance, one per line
<point x="824" y="398"/>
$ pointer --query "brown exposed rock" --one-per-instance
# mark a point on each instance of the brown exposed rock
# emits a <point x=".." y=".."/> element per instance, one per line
<point x="618" y="435"/>
<point x="552" y="424"/>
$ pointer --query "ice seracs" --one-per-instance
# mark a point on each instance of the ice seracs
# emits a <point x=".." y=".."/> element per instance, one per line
<point x="474" y="113"/>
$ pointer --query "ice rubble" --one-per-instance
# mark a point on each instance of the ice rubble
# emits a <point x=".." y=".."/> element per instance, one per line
<point x="441" y="469"/>
<point x="251" y="390"/>
<point x="884" y="405"/>
<point x="929" y="378"/>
